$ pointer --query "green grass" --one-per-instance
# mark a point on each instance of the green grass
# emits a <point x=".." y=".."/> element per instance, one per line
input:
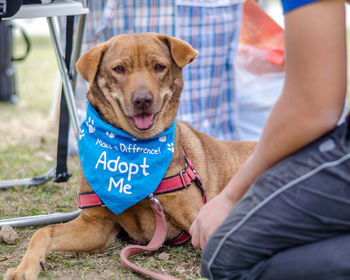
<point x="37" y="76"/>
<point x="26" y="128"/>
<point x="28" y="139"/>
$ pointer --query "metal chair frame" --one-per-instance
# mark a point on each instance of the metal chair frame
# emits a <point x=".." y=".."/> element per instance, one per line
<point x="68" y="75"/>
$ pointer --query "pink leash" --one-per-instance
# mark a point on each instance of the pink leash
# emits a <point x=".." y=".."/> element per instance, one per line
<point x="157" y="241"/>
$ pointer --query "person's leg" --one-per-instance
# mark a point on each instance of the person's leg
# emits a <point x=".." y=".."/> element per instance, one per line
<point x="327" y="259"/>
<point x="304" y="198"/>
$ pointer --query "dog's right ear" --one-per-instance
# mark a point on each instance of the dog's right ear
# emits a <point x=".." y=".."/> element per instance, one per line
<point x="88" y="63"/>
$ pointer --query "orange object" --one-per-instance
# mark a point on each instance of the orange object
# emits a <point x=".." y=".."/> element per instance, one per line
<point x="261" y="31"/>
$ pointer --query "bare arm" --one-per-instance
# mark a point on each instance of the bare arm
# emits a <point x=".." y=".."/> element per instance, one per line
<point x="310" y="105"/>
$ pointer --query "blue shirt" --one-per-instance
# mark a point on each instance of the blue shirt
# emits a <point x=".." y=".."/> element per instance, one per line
<point x="289" y="5"/>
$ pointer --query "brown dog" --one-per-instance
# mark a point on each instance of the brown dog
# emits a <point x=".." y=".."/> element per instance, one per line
<point x="135" y="84"/>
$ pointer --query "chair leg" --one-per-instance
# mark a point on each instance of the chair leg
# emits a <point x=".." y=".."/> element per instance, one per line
<point x="67" y="86"/>
<point x="34" y="181"/>
<point x="40" y="219"/>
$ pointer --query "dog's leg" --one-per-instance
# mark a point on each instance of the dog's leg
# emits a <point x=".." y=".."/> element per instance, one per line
<point x="80" y="235"/>
<point x="189" y="202"/>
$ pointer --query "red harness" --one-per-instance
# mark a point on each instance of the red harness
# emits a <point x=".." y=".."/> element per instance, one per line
<point x="167" y="185"/>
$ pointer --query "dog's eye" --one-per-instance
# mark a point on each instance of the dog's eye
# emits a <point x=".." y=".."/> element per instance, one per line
<point x="119" y="69"/>
<point x="159" y="67"/>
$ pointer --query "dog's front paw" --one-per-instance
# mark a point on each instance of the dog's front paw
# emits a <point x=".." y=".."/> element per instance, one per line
<point x="19" y="274"/>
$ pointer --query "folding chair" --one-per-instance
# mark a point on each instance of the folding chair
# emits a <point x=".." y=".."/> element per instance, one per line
<point x="68" y="74"/>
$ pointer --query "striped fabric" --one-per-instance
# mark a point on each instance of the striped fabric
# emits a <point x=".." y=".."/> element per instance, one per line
<point x="211" y="26"/>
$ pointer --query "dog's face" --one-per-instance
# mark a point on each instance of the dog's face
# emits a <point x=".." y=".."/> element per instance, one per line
<point x="136" y="80"/>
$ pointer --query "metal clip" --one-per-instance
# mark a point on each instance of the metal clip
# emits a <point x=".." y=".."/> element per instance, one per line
<point x="183" y="179"/>
<point x="155" y="200"/>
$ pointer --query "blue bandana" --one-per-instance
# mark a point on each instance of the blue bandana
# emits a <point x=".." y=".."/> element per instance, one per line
<point x="121" y="169"/>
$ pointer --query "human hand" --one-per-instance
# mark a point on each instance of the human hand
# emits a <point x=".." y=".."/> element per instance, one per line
<point x="210" y="217"/>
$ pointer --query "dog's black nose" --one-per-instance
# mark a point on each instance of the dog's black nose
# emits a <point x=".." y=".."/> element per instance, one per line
<point x="142" y="100"/>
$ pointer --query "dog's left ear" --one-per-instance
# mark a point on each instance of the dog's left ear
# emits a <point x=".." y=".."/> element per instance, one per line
<point x="181" y="51"/>
<point x="87" y="64"/>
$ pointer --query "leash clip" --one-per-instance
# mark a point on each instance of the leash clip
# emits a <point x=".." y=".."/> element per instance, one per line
<point x="155" y="200"/>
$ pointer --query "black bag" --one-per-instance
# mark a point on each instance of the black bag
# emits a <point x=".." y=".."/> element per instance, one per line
<point x="7" y="69"/>
<point x="8" y="8"/>
<point x="7" y="65"/>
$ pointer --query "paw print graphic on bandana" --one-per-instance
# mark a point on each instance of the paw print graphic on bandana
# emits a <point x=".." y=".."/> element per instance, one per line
<point x="81" y="134"/>
<point x="110" y="134"/>
<point x="171" y="147"/>
<point x="90" y="125"/>
<point x="162" y="139"/>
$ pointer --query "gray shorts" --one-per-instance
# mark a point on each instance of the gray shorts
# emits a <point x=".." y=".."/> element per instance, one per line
<point x="293" y="222"/>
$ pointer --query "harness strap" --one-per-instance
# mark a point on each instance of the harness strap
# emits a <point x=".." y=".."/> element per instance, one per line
<point x="87" y="200"/>
<point x="182" y="238"/>
<point x="181" y="181"/>
<point x="157" y="241"/>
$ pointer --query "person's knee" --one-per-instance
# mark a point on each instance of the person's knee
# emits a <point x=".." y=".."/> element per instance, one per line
<point x="212" y="265"/>
<point x="205" y="263"/>
<point x="220" y="260"/>
<point x="206" y="258"/>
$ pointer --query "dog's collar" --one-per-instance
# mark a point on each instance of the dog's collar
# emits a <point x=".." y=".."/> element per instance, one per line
<point x="170" y="184"/>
